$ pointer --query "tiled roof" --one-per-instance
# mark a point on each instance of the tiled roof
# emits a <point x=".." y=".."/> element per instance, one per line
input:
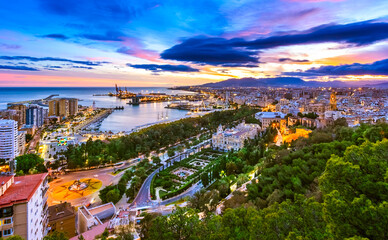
<point x="22" y="189"/>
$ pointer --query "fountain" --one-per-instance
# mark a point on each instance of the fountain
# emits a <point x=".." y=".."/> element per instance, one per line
<point x="78" y="185"/>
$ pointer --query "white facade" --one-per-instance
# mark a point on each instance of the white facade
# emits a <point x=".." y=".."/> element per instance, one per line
<point x="8" y="139"/>
<point x="37" y="217"/>
<point x="333" y="115"/>
<point x="234" y="138"/>
<point x="21" y="142"/>
<point x="267" y="117"/>
<point x="23" y="206"/>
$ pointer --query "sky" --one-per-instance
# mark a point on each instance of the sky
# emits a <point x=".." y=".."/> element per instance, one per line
<point x="163" y="43"/>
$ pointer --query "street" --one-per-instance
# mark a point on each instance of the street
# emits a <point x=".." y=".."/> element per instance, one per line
<point x="143" y="198"/>
<point x="102" y="174"/>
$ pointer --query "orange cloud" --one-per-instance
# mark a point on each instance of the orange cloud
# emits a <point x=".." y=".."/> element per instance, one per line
<point x="348" y="59"/>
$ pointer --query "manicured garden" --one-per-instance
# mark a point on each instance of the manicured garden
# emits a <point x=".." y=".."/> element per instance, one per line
<point x="180" y="176"/>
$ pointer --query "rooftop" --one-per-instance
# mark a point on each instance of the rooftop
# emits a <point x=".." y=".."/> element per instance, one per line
<point x="7" y="122"/>
<point x="22" y="189"/>
<point x="270" y="115"/>
<point x="60" y="211"/>
<point x="101" y="208"/>
<point x="5" y="178"/>
<point x="93" y="232"/>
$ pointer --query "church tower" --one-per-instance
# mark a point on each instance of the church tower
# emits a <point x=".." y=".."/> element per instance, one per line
<point x="333" y="101"/>
<point x="219" y="130"/>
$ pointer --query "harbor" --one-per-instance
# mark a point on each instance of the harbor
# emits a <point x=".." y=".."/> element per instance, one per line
<point x="151" y="97"/>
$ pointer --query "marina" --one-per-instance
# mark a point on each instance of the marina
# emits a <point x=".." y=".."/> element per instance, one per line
<point x="124" y="119"/>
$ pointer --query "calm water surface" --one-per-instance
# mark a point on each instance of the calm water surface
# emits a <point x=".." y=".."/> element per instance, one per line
<point x="121" y="120"/>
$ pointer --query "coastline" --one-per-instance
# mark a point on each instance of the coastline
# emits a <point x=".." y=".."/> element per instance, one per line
<point x="100" y="117"/>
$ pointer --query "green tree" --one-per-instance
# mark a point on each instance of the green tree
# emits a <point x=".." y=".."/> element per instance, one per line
<point x="156" y="160"/>
<point x="56" y="236"/>
<point x="113" y="196"/>
<point x="181" y="224"/>
<point x="28" y="137"/>
<point x="341" y="122"/>
<point x="231" y="168"/>
<point x="110" y="194"/>
<point x="355" y="191"/>
<point x="205" y="179"/>
<point x="105" y="234"/>
<point x="124" y="232"/>
<point x="374" y="134"/>
<point x="204" y="201"/>
<point x="146" y="224"/>
<point x="14" y="237"/>
<point x="29" y="162"/>
<point x="170" y="152"/>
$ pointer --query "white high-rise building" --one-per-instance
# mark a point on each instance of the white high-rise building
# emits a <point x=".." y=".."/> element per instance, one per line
<point x="8" y="139"/>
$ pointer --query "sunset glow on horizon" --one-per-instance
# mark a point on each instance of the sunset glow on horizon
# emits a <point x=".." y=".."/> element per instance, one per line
<point x="73" y="43"/>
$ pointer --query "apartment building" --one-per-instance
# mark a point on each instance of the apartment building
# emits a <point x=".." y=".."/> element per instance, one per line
<point x="8" y="140"/>
<point x="21" y="140"/>
<point x="63" y="107"/>
<point x="18" y="113"/>
<point x="23" y="206"/>
<point x="35" y="115"/>
<point x="62" y="218"/>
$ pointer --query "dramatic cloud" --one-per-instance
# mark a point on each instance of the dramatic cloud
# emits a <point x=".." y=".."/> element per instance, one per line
<point x="163" y="68"/>
<point x="35" y="59"/>
<point x="293" y="60"/>
<point x="376" y="68"/>
<point x="23" y="68"/>
<point x="108" y="36"/>
<point x="56" y="36"/>
<point x="212" y="51"/>
<point x="360" y="33"/>
<point x="220" y="51"/>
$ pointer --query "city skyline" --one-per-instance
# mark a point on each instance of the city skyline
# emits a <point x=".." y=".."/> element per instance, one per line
<point x="169" y="43"/>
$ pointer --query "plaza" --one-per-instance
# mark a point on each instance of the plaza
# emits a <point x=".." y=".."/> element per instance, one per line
<point x="183" y="172"/>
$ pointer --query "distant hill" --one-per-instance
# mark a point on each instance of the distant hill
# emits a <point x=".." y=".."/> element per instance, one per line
<point x="273" y="82"/>
<point x="379" y="85"/>
<point x="253" y="82"/>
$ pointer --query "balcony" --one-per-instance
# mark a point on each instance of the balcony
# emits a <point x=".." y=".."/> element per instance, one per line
<point x="44" y="189"/>
<point x="44" y="210"/>
<point x="44" y="200"/>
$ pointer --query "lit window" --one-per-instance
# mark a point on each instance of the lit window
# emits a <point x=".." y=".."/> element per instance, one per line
<point x="8" y="221"/>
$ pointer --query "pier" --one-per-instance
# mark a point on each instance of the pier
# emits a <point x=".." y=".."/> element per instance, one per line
<point x="99" y="117"/>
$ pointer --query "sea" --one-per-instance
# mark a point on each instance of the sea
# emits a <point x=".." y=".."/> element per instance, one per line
<point x="120" y="120"/>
